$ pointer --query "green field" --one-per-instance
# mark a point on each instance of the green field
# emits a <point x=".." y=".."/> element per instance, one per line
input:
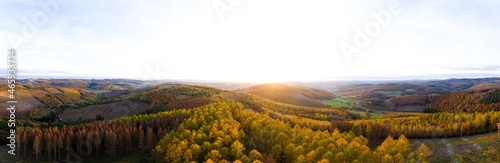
<point x="390" y="93"/>
<point x="373" y="113"/>
<point x="339" y="102"/>
<point x="410" y="90"/>
<point x="345" y="102"/>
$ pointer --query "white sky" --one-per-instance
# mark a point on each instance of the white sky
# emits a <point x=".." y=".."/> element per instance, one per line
<point x="259" y="40"/>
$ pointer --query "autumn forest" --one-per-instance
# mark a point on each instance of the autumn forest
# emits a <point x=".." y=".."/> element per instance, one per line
<point x="122" y="121"/>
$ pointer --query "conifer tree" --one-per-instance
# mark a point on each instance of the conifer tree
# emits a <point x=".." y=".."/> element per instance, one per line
<point x="36" y="147"/>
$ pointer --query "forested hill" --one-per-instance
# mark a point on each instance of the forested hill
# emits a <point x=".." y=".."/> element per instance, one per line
<point x="183" y="123"/>
<point x="233" y="127"/>
<point x="31" y="97"/>
<point x="476" y="100"/>
<point x="290" y="94"/>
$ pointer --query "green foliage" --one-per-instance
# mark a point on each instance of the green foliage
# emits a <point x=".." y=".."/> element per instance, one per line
<point x="339" y="102"/>
<point x="430" y="110"/>
<point x="50" y="117"/>
<point x="491" y="97"/>
<point x="361" y="112"/>
<point x="390" y="93"/>
<point x="98" y="117"/>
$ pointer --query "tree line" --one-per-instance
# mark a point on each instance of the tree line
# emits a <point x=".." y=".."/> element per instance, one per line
<point x="423" y="126"/>
<point x="109" y="138"/>
<point x="465" y="101"/>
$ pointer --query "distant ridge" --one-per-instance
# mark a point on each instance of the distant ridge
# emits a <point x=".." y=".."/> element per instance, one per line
<point x="290" y="94"/>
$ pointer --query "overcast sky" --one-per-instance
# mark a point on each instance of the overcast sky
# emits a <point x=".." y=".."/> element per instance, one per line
<point x="252" y="40"/>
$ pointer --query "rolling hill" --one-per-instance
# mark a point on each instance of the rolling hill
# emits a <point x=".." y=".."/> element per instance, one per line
<point x="411" y="96"/>
<point x="474" y="100"/>
<point x="31" y="97"/>
<point x="290" y="94"/>
<point x="117" y="122"/>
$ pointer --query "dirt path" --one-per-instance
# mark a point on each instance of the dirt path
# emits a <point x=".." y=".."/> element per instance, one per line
<point x="449" y="148"/>
<point x="477" y="146"/>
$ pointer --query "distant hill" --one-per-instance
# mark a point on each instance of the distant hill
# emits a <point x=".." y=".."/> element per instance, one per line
<point x="290" y="94"/>
<point x="470" y="101"/>
<point x="90" y="84"/>
<point x="82" y="99"/>
<point x="476" y="100"/>
<point x="388" y="90"/>
<point x="30" y="97"/>
<point x="457" y="85"/>
<point x="407" y="95"/>
<point x="147" y="100"/>
<point x="50" y="93"/>
<point x="482" y="86"/>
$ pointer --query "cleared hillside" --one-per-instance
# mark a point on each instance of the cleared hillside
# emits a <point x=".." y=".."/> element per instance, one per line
<point x="107" y="111"/>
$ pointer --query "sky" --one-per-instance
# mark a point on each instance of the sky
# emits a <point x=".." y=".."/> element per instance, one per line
<point x="257" y="40"/>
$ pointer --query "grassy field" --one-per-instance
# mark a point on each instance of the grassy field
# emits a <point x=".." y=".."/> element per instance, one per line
<point x="478" y="148"/>
<point x="410" y="90"/>
<point x="345" y="102"/>
<point x="390" y="93"/>
<point x="339" y="102"/>
<point x="373" y="113"/>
